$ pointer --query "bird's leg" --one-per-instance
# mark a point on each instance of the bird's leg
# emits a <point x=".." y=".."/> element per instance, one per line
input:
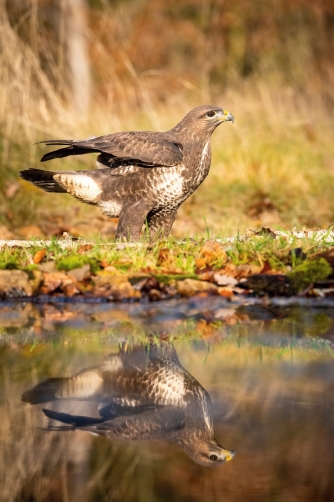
<point x="160" y="223"/>
<point x="131" y="221"/>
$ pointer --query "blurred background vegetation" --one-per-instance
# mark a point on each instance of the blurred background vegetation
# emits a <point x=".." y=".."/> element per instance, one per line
<point x="77" y="68"/>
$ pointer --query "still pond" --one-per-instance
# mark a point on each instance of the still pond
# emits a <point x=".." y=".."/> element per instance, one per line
<point x="191" y="400"/>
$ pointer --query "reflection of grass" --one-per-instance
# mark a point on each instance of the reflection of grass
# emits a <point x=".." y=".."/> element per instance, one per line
<point x="298" y="334"/>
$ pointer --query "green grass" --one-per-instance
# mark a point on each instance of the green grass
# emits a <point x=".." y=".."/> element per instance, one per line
<point x="172" y="258"/>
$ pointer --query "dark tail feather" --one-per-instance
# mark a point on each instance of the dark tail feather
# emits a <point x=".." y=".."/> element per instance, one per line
<point x="74" y="420"/>
<point x="71" y="149"/>
<point x="42" y="179"/>
<point x="66" y="152"/>
<point x="58" y="154"/>
<point x="56" y="142"/>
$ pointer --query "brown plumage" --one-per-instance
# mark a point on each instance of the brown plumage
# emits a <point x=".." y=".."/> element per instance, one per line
<point x="141" y="175"/>
<point x="141" y="394"/>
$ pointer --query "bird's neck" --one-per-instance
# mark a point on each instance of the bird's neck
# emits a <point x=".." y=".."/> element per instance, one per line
<point x="197" y="160"/>
<point x="186" y="134"/>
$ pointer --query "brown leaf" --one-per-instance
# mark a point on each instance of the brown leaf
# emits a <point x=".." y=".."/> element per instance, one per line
<point x="230" y="269"/>
<point x="247" y="270"/>
<point x="211" y="254"/>
<point x="266" y="267"/>
<point x="70" y="289"/>
<point x="166" y="258"/>
<point x="54" y="280"/>
<point x="83" y="248"/>
<point x="39" y="256"/>
<point x="206" y="275"/>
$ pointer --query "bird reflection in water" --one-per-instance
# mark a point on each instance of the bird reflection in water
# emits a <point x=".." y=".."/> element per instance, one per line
<point x="142" y="394"/>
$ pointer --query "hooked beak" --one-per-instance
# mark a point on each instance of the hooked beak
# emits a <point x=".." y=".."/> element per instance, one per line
<point x="229" y="454"/>
<point x="226" y="117"/>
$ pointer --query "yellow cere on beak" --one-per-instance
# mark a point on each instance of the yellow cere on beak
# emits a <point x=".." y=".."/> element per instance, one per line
<point x="229" y="455"/>
<point x="227" y="116"/>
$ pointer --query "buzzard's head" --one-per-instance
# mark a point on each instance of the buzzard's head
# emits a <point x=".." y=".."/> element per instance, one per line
<point x="200" y="122"/>
<point x="205" y="450"/>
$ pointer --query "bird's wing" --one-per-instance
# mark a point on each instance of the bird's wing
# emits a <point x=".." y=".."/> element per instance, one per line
<point x="148" y="148"/>
<point x="150" y="424"/>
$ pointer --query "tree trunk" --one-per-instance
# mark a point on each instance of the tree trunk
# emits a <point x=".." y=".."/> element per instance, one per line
<point x="77" y="53"/>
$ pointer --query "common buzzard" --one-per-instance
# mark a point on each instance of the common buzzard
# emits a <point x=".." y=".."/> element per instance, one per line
<point x="141" y="394"/>
<point x="141" y="175"/>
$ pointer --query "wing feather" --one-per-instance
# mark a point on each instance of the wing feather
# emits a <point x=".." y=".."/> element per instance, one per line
<point x="150" y="148"/>
<point x="145" y="149"/>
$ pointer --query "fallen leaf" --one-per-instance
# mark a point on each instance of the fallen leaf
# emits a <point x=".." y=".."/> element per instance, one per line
<point x="54" y="280"/>
<point x="104" y="263"/>
<point x="166" y="258"/>
<point x="247" y="270"/>
<point x="205" y="274"/>
<point x="70" y="289"/>
<point x="38" y="257"/>
<point x="230" y="269"/>
<point x="211" y="254"/>
<point x="83" y="248"/>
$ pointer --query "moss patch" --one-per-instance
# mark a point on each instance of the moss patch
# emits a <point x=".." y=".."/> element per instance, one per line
<point x="309" y="272"/>
<point x="77" y="261"/>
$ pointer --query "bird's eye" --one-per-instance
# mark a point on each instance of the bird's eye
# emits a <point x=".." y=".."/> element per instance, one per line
<point x="211" y="114"/>
<point x="213" y="457"/>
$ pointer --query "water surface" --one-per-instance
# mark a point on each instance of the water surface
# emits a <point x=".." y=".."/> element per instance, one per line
<point x="269" y="372"/>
